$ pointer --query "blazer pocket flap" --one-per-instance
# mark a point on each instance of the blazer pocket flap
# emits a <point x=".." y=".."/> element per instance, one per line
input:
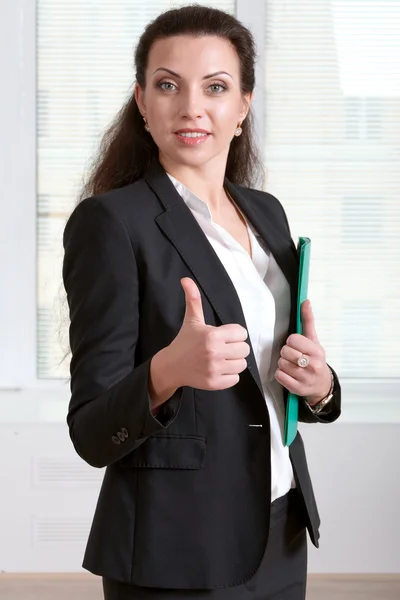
<point x="168" y="452"/>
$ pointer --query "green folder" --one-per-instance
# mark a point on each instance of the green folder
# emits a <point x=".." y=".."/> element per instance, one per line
<point x="292" y="406"/>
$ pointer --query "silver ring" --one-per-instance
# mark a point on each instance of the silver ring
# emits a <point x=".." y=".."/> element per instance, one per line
<point x="303" y="361"/>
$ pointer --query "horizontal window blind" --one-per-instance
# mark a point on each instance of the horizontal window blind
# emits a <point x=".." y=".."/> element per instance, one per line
<point x="84" y="75"/>
<point x="331" y="152"/>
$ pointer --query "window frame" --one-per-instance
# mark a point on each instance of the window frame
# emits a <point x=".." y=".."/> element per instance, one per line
<point x="22" y="395"/>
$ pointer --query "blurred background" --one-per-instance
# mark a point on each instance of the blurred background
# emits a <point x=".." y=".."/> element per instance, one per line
<point x="327" y="106"/>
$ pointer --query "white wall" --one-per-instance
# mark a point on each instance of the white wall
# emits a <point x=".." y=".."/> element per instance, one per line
<point x="49" y="494"/>
<point x="356" y="474"/>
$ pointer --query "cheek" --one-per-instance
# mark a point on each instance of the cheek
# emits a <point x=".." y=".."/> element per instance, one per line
<point x="158" y="113"/>
<point x="161" y="120"/>
<point x="225" y="117"/>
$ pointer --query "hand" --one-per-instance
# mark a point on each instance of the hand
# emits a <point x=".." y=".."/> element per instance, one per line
<point x="203" y="356"/>
<point x="314" y="381"/>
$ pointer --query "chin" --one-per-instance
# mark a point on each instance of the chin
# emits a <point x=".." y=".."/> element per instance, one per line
<point x="188" y="156"/>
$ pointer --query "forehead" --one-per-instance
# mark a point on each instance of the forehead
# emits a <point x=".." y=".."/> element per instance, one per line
<point x="186" y="54"/>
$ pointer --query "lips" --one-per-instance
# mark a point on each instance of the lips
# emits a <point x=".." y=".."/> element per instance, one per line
<point x="192" y="131"/>
<point x="192" y="140"/>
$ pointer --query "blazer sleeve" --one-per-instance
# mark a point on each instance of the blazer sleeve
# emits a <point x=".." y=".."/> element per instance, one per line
<point x="109" y="411"/>
<point x="332" y="411"/>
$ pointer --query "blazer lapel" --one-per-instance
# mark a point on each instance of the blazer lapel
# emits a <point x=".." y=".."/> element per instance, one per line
<point x="182" y="229"/>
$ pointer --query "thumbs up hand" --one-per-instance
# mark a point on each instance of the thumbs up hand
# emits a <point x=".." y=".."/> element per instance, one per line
<point x="313" y="381"/>
<point x="203" y="356"/>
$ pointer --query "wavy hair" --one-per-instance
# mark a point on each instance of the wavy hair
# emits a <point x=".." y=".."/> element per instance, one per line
<point x="126" y="149"/>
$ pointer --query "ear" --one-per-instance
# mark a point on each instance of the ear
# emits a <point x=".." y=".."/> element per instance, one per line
<point x="247" y="100"/>
<point x="139" y="97"/>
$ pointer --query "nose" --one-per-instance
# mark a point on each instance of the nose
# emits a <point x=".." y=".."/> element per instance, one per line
<point x="191" y="104"/>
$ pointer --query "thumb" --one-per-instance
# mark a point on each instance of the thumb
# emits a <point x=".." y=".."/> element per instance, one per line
<point x="194" y="307"/>
<point x="308" y="323"/>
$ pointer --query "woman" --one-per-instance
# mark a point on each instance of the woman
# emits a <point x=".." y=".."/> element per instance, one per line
<point x="181" y="282"/>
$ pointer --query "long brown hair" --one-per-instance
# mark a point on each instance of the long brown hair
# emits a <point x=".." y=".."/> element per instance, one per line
<point x="126" y="149"/>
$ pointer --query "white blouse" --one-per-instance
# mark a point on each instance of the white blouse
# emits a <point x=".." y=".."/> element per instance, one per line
<point x="264" y="294"/>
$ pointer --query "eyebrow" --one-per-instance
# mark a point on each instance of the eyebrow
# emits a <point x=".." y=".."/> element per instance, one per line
<point x="179" y="77"/>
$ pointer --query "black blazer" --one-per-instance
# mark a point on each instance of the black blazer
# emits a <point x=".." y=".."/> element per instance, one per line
<point x="185" y="497"/>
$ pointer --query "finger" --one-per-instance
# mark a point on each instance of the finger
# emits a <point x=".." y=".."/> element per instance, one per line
<point x="291" y="384"/>
<point x="290" y="354"/>
<point x="232" y="367"/>
<point x="303" y="345"/>
<point x="236" y="350"/>
<point x="194" y="307"/>
<point x="298" y="373"/>
<point x="232" y="332"/>
<point x="307" y="321"/>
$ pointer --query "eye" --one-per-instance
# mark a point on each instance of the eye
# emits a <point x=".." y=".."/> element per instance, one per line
<point x="216" y="88"/>
<point x="222" y="87"/>
<point x="162" y="83"/>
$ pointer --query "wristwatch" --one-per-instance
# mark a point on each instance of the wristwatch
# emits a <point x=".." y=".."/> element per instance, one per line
<point x="317" y="408"/>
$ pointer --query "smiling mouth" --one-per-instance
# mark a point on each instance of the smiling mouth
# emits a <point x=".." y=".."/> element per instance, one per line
<point x="192" y="138"/>
<point x="192" y="134"/>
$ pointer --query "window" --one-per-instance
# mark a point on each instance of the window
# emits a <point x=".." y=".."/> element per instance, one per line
<point x="327" y="106"/>
<point x="332" y="149"/>
<point x="84" y="74"/>
<point x="363" y="118"/>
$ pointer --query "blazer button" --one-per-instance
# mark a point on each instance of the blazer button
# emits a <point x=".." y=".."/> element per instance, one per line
<point x="124" y="432"/>
<point x="121" y="436"/>
<point x="115" y="440"/>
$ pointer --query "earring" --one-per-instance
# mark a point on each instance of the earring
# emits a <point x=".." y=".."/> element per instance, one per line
<point x="238" y="131"/>
<point x="147" y="128"/>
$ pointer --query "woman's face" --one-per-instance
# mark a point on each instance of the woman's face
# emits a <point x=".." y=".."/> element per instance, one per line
<point x="181" y="94"/>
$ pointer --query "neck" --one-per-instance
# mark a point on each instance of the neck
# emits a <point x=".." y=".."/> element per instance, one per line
<point x="205" y="181"/>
